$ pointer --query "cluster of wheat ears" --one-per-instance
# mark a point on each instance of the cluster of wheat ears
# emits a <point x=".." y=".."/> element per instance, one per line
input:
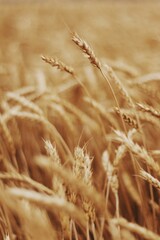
<point x="81" y="160"/>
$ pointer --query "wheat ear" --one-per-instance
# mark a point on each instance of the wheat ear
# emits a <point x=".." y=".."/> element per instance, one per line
<point x="130" y="121"/>
<point x="149" y="178"/>
<point x="137" y="149"/>
<point x="71" y="180"/>
<point x="86" y="49"/>
<point x="83" y="170"/>
<point x="83" y="45"/>
<point x="58" y="64"/>
<point x="149" y="109"/>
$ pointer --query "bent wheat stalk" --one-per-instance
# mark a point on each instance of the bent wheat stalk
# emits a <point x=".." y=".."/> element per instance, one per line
<point x="16" y="177"/>
<point x="135" y="228"/>
<point x="52" y="203"/>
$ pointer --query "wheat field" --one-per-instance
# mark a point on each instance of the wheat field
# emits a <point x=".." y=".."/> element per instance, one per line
<point x="80" y="121"/>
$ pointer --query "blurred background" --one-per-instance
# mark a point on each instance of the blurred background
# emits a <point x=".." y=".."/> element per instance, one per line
<point x="122" y="31"/>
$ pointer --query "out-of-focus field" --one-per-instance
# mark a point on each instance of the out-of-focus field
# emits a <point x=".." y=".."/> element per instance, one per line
<point x="118" y="31"/>
<point x="79" y="151"/>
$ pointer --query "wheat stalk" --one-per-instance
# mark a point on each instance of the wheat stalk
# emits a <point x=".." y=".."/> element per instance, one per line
<point x="81" y="115"/>
<point x="52" y="203"/>
<point x="16" y="177"/>
<point x="113" y="180"/>
<point x="83" y="45"/>
<point x="37" y="119"/>
<point x="24" y="103"/>
<point x="135" y="228"/>
<point x="130" y="188"/>
<point x="5" y="133"/>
